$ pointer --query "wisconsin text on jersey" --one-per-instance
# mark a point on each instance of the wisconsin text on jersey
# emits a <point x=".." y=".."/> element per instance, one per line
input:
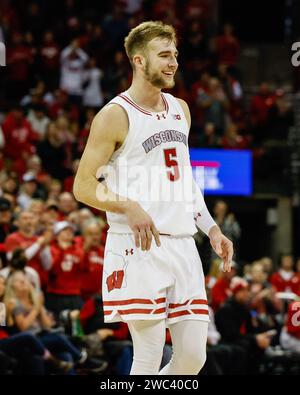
<point x="164" y="137"/>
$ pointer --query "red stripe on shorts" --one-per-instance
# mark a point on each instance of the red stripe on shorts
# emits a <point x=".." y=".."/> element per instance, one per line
<point x="195" y="301"/>
<point x="132" y="301"/>
<point x="186" y="312"/>
<point x="140" y="311"/>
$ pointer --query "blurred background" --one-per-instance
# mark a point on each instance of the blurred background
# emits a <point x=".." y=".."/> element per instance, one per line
<point x="64" y="61"/>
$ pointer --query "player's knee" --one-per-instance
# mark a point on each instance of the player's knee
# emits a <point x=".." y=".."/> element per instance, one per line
<point x="194" y="360"/>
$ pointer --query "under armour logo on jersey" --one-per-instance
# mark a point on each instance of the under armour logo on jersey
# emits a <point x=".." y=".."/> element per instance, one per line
<point x="197" y="216"/>
<point x="177" y="117"/>
<point x="159" y="117"/>
<point x="129" y="251"/>
<point x="115" y="280"/>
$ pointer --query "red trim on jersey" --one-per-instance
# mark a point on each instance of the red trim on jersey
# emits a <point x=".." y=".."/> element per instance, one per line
<point x="166" y="103"/>
<point x="195" y="301"/>
<point x="186" y="312"/>
<point x="135" y="105"/>
<point x="132" y="301"/>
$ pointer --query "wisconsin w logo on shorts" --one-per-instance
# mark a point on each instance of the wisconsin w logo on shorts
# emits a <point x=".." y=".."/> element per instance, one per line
<point x="116" y="271"/>
<point x="115" y="280"/>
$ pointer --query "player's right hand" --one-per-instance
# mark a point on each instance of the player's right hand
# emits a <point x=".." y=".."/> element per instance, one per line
<point x="142" y="226"/>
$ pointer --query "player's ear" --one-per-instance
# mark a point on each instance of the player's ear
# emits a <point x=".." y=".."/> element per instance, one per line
<point x="139" y="61"/>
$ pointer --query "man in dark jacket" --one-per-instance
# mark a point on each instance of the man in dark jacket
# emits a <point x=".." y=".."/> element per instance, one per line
<point x="234" y="322"/>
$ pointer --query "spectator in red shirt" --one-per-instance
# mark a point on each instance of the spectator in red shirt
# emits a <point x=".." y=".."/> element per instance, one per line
<point x="19" y="60"/>
<point x="290" y="334"/>
<point x="233" y="140"/>
<point x="220" y="292"/>
<point x="67" y="266"/>
<point x="227" y="46"/>
<point x="49" y="57"/>
<point x="19" y="138"/>
<point x="36" y="248"/>
<point x="66" y="205"/>
<point x="259" y="111"/>
<point x="91" y="281"/>
<point x="285" y="279"/>
<point x="5" y="227"/>
<point x="298" y="267"/>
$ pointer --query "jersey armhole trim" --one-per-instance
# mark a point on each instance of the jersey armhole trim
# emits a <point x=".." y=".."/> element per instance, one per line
<point x="125" y="142"/>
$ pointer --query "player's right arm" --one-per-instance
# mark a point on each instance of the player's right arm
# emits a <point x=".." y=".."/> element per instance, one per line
<point x="108" y="130"/>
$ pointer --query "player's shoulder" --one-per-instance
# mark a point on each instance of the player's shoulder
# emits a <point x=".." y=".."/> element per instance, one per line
<point x="111" y="117"/>
<point x="112" y="109"/>
<point x="185" y="108"/>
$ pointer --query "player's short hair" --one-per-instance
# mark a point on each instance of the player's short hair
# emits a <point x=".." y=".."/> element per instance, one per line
<point x="139" y="37"/>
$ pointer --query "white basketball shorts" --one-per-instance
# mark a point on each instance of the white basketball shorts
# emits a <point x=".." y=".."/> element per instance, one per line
<point x="166" y="282"/>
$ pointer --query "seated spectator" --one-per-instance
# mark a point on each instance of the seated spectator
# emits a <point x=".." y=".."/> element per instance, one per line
<point x="52" y="153"/>
<point x="233" y="321"/>
<point x="227" y="46"/>
<point x="69" y="181"/>
<point x="268" y="266"/>
<point x="66" y="268"/>
<point x="54" y="189"/>
<point x="218" y="355"/>
<point x="36" y="247"/>
<point x="233" y="140"/>
<point x="34" y="166"/>
<point x="19" y="60"/>
<point x="260" y="106"/>
<point x="209" y="138"/>
<point x="280" y="117"/>
<point x="290" y="334"/>
<point x="298" y="267"/>
<point x="228" y="224"/>
<point x="265" y="306"/>
<point x="26" y="348"/>
<point x="114" y="336"/>
<point x="29" y="190"/>
<point x="49" y="57"/>
<point x="38" y="120"/>
<point x="285" y="279"/>
<point x="6" y="227"/>
<point x="79" y="218"/>
<point x="215" y="104"/>
<point x="66" y="205"/>
<point x="220" y="292"/>
<point x="18" y="262"/>
<point x="19" y="139"/>
<point x="91" y="280"/>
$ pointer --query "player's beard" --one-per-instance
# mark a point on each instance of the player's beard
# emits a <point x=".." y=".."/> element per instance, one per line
<point x="156" y="79"/>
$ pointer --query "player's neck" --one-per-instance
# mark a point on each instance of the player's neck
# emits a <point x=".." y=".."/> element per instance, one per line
<point x="146" y="96"/>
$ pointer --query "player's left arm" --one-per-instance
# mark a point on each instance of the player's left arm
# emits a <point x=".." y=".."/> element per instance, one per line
<point x="204" y="221"/>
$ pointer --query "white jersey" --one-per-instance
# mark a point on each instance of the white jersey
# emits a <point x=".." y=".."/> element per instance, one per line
<point x="153" y="167"/>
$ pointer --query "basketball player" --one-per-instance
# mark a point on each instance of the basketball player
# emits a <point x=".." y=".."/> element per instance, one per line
<point x="153" y="275"/>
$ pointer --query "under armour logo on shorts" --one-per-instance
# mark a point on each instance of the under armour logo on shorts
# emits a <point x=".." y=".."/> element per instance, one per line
<point x="129" y="251"/>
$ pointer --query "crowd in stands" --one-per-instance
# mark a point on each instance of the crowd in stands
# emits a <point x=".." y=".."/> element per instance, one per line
<point x="65" y="60"/>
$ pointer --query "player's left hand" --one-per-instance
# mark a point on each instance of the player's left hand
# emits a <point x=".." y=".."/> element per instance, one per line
<point x="222" y="246"/>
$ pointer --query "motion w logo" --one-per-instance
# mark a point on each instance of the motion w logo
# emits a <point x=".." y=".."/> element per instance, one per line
<point x="2" y="54"/>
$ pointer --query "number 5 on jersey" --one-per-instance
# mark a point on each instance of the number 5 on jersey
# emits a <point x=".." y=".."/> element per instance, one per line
<point x="171" y="162"/>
